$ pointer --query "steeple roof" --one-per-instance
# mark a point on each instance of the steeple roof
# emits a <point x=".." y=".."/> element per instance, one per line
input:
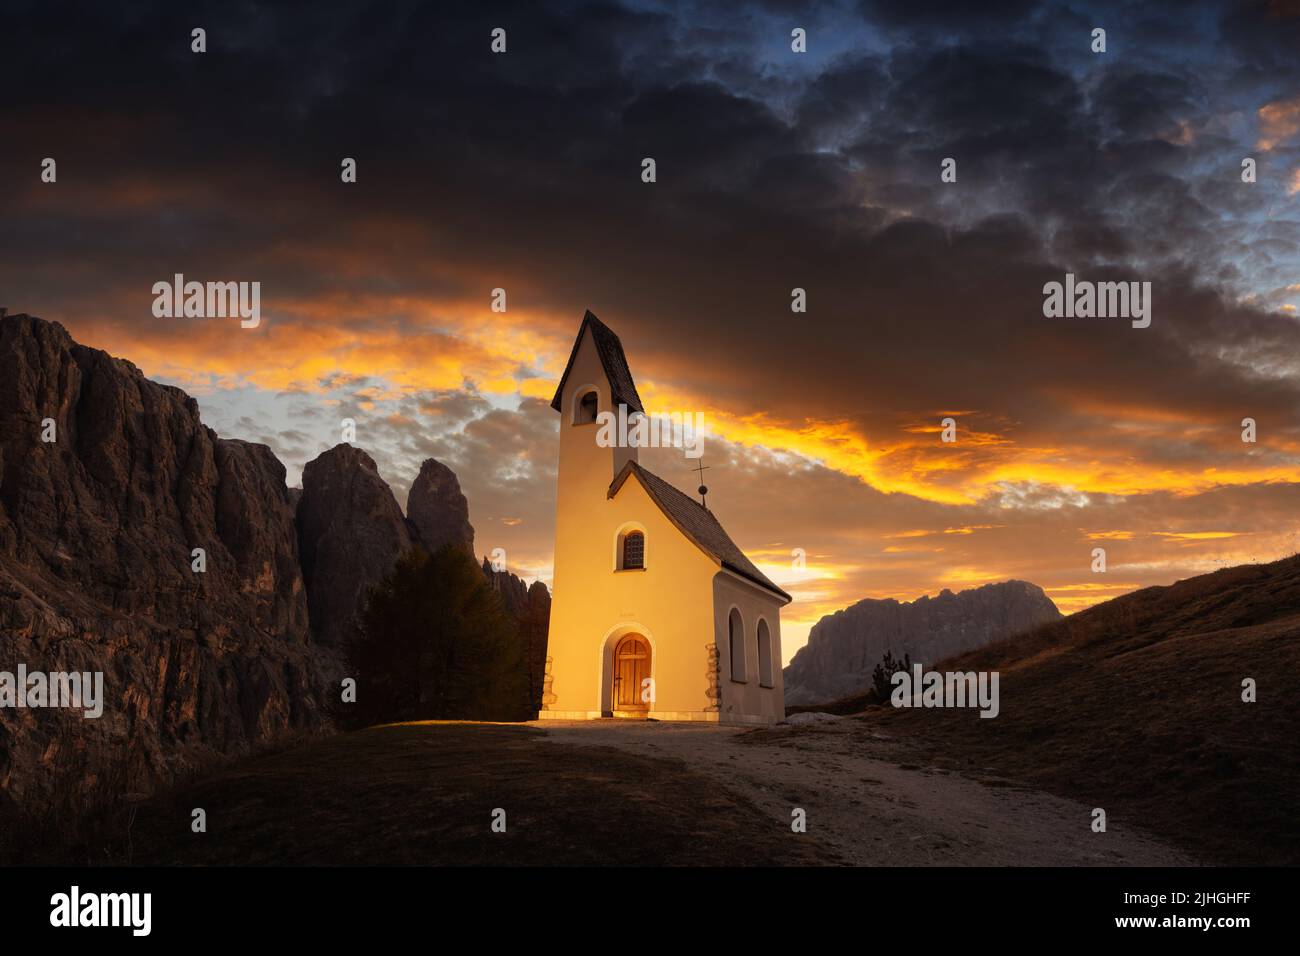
<point x="612" y="359"/>
<point x="697" y="523"/>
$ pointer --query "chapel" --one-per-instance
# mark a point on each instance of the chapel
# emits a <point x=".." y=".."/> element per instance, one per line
<point x="655" y="613"/>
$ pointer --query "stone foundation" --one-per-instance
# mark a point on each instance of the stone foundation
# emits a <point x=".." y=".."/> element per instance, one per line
<point x="548" y="695"/>
<point x="712" y="674"/>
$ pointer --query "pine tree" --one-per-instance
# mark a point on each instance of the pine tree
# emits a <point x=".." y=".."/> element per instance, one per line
<point x="435" y="643"/>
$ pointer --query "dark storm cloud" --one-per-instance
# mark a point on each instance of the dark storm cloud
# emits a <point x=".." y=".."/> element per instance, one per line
<point x="1265" y="35"/>
<point x="523" y="171"/>
<point x="947" y="15"/>
<point x="493" y="149"/>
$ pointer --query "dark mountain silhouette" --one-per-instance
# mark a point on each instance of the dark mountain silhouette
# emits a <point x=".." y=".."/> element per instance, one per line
<point x="844" y="648"/>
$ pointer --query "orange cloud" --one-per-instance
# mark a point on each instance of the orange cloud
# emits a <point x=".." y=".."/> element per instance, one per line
<point x="402" y="345"/>
<point x="1278" y="122"/>
<point x="312" y="346"/>
<point x="917" y="464"/>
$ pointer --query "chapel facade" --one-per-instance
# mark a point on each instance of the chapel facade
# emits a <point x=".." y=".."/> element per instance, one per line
<point x="655" y="613"/>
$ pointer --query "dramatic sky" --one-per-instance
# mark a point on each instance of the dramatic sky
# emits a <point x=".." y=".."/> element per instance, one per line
<point x="775" y="170"/>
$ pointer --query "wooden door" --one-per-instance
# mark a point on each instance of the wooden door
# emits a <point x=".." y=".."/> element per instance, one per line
<point x="631" y="667"/>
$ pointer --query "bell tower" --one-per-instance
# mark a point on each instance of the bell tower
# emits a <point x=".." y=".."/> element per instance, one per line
<point x="596" y="381"/>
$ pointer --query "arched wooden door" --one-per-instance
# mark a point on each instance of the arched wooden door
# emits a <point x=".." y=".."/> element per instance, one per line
<point x="631" y="668"/>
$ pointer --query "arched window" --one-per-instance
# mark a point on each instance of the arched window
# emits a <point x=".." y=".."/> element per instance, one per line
<point x="764" y="654"/>
<point x="633" y="551"/>
<point x="584" y="408"/>
<point x="736" y="645"/>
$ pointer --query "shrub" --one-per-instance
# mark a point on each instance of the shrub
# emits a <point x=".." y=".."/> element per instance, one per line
<point x="882" y="676"/>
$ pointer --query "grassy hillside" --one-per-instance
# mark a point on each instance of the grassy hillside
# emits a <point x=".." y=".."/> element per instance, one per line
<point x="424" y="794"/>
<point x="1135" y="706"/>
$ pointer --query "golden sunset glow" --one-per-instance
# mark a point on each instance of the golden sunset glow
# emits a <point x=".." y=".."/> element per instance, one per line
<point x="922" y="301"/>
<point x="317" y="347"/>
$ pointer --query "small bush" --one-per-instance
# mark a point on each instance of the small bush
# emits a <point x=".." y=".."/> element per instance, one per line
<point x="882" y="676"/>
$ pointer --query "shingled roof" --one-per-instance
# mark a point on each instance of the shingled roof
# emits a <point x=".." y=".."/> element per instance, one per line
<point x="697" y="523"/>
<point x="612" y="359"/>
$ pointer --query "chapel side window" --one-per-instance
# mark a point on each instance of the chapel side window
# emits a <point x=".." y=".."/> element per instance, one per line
<point x="764" y="654"/>
<point x="736" y="645"/>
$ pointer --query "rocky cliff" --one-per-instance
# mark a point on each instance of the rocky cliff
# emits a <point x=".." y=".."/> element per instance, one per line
<point x="437" y="510"/>
<point x="350" y="533"/>
<point x="844" y="648"/>
<point x="135" y="542"/>
<point x="215" y="601"/>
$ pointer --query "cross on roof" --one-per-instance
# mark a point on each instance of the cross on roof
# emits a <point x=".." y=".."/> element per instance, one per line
<point x="700" y="469"/>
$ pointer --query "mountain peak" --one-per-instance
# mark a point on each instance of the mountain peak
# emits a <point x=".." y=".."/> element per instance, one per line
<point x="845" y="647"/>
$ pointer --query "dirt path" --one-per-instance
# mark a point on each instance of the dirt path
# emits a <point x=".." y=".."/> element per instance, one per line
<point x="871" y="808"/>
